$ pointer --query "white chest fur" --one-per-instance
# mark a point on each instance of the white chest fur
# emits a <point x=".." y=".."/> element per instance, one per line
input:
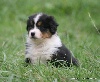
<point x="42" y="49"/>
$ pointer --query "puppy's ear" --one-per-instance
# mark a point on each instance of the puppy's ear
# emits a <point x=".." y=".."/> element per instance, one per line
<point x="52" y="24"/>
<point x="27" y="25"/>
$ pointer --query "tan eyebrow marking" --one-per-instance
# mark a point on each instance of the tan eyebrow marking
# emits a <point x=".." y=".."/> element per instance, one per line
<point x="39" y="23"/>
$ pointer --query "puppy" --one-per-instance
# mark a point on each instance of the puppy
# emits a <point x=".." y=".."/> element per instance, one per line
<point x="44" y="45"/>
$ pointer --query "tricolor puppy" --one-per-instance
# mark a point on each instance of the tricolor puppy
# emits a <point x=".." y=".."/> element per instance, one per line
<point x="44" y="45"/>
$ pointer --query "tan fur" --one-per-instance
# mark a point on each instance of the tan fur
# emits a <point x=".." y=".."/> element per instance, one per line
<point x="39" y="23"/>
<point x="46" y="34"/>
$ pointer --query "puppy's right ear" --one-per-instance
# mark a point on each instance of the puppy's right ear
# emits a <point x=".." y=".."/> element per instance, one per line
<point x="30" y="24"/>
<point x="27" y="25"/>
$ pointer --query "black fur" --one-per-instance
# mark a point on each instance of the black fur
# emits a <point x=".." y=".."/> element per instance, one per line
<point x="27" y="60"/>
<point x="63" y="57"/>
<point x="30" y="22"/>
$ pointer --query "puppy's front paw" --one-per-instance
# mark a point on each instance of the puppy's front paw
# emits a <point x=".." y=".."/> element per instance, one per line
<point x="28" y="60"/>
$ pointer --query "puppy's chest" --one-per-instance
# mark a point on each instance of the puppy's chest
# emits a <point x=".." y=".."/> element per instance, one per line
<point x="43" y="52"/>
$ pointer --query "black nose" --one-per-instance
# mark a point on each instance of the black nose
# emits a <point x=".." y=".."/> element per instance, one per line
<point x="32" y="34"/>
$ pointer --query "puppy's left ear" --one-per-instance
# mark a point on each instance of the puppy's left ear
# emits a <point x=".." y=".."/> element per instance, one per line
<point x="52" y="24"/>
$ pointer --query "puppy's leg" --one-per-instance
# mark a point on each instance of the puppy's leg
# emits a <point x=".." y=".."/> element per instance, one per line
<point x="28" y="60"/>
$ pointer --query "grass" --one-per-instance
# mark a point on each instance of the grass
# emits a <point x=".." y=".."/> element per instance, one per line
<point x="76" y="29"/>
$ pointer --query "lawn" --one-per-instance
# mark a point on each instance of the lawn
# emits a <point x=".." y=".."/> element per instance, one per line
<point x="79" y="29"/>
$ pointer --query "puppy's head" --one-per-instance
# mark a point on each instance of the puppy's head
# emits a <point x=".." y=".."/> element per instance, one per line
<point x="41" y="26"/>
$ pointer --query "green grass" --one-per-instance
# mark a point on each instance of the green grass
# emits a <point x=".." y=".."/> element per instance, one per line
<point x="76" y="30"/>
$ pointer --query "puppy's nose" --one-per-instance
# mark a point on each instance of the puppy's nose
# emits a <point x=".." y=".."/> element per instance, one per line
<point x="32" y="34"/>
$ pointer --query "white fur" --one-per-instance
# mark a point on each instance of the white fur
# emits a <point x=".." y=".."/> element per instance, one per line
<point x="37" y="17"/>
<point x="42" y="49"/>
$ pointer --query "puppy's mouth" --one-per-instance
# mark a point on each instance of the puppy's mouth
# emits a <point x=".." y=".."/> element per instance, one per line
<point x="33" y="37"/>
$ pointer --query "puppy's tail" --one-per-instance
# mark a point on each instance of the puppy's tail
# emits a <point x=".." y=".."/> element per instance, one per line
<point x="75" y="62"/>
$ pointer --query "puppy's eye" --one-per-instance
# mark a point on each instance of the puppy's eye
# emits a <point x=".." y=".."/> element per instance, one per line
<point x="39" y="23"/>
